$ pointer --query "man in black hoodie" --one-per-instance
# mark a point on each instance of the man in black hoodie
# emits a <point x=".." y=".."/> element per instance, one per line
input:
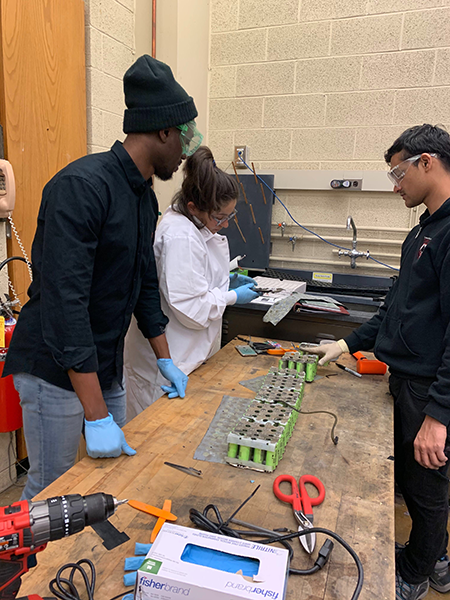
<point x="411" y="333"/>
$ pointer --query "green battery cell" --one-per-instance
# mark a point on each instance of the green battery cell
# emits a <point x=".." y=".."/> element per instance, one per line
<point x="310" y="372"/>
<point x="257" y="455"/>
<point x="282" y="363"/>
<point x="233" y="450"/>
<point x="244" y="452"/>
<point x="300" y="367"/>
<point x="291" y="364"/>
<point x="270" y="459"/>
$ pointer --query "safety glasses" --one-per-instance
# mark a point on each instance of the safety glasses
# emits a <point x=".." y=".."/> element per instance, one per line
<point x="190" y="138"/>
<point x="397" y="173"/>
<point x="224" y="219"/>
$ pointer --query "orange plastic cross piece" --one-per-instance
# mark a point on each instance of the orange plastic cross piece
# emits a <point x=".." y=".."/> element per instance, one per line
<point x="160" y="522"/>
<point x="153" y="510"/>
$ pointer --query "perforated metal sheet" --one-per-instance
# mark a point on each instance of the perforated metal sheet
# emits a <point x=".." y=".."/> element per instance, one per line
<point x="253" y="384"/>
<point x="214" y="445"/>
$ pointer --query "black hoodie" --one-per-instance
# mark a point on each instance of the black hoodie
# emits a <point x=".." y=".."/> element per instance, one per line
<point x="411" y="331"/>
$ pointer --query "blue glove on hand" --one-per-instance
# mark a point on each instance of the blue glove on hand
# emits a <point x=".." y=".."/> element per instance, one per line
<point x="237" y="280"/>
<point x="175" y="376"/>
<point x="105" y="439"/>
<point x="245" y="293"/>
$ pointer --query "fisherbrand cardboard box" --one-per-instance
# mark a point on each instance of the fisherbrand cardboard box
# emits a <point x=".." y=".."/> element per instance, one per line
<point x="195" y="564"/>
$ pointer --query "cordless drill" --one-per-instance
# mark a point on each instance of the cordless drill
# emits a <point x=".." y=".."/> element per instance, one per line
<point x="26" y="527"/>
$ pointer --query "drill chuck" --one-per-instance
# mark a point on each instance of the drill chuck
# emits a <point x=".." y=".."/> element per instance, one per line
<point x="60" y="516"/>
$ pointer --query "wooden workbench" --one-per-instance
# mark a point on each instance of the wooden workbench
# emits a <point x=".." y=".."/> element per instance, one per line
<point x="357" y="474"/>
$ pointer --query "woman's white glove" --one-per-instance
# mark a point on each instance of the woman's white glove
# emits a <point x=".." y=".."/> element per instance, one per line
<point x="328" y="351"/>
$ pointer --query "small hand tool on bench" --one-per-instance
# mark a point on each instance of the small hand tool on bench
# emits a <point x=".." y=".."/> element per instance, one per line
<point x="188" y="470"/>
<point x="299" y="498"/>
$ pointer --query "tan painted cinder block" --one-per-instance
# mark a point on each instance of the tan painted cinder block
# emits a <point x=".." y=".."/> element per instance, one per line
<point x="397" y="70"/>
<point x="295" y="111"/>
<point x="316" y="207"/>
<point x="388" y="6"/>
<point x="222" y="83"/>
<point x="265" y="79"/>
<point x="427" y="28"/>
<point x="224" y="165"/>
<point x="360" y="108"/>
<point x="94" y="48"/>
<point x="112" y="128"/>
<point x="94" y="126"/>
<point x="371" y="209"/>
<point x="261" y="13"/>
<point x="429" y="105"/>
<point x="328" y="74"/>
<point x="113" y="19"/>
<point x="96" y="149"/>
<point x="315" y="10"/>
<point x="366" y="34"/>
<point x="442" y="72"/>
<point x="127" y="3"/>
<point x="372" y="142"/>
<point x="235" y="113"/>
<point x="271" y="165"/>
<point x="222" y="145"/>
<point x="298" y="41"/>
<point x="355" y="165"/>
<point x="238" y="47"/>
<point x="322" y="144"/>
<point x="265" y="144"/>
<point x="104" y="90"/>
<point x="224" y="15"/>
<point x="116" y="57"/>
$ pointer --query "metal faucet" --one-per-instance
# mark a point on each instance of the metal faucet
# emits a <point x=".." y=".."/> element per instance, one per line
<point x="351" y="223"/>
<point x="353" y="253"/>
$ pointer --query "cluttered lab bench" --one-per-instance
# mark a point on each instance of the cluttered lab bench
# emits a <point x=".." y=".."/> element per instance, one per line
<point x="357" y="474"/>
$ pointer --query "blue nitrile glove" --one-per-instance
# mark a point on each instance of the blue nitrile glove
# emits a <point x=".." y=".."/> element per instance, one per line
<point x="245" y="293"/>
<point x="175" y="376"/>
<point x="105" y="439"/>
<point x="134" y="562"/>
<point x="237" y="280"/>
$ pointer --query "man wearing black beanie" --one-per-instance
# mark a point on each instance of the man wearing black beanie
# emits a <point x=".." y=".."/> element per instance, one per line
<point x="93" y="268"/>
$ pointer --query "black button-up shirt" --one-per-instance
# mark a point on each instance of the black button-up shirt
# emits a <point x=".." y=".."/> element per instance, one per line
<point x="93" y="266"/>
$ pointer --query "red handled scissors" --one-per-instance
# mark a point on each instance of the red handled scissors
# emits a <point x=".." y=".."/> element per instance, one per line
<point x="302" y="504"/>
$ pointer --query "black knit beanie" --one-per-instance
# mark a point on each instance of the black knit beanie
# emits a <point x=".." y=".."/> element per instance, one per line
<point x="154" y="99"/>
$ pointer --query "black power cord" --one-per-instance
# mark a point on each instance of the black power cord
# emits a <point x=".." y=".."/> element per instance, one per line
<point x="221" y="527"/>
<point x="65" y="589"/>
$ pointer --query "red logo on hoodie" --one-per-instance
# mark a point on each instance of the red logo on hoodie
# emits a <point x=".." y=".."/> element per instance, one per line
<point x="426" y="241"/>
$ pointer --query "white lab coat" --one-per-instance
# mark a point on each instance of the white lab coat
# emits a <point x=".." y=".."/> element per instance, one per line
<point x="193" y="272"/>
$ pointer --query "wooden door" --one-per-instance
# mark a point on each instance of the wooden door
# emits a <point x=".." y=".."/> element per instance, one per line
<point x="42" y="109"/>
<point x="42" y="104"/>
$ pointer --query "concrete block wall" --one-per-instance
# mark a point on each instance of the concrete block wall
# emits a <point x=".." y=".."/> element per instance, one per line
<point x="110" y="50"/>
<point x="328" y="84"/>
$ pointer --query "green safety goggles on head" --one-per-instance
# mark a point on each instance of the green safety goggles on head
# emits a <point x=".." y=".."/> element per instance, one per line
<point x="190" y="138"/>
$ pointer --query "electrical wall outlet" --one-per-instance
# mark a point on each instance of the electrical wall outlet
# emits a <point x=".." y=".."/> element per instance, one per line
<point x="241" y="152"/>
<point x="346" y="184"/>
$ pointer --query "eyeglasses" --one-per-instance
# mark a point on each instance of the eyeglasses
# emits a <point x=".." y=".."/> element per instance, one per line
<point x="397" y="173"/>
<point x="190" y="138"/>
<point x="224" y="219"/>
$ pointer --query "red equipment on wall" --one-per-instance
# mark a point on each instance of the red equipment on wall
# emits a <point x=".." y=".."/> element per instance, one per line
<point x="10" y="411"/>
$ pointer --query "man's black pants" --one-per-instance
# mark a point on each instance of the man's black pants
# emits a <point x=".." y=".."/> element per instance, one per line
<point x="425" y="490"/>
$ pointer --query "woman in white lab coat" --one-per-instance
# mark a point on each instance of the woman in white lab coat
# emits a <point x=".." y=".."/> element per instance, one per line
<point x="193" y="269"/>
